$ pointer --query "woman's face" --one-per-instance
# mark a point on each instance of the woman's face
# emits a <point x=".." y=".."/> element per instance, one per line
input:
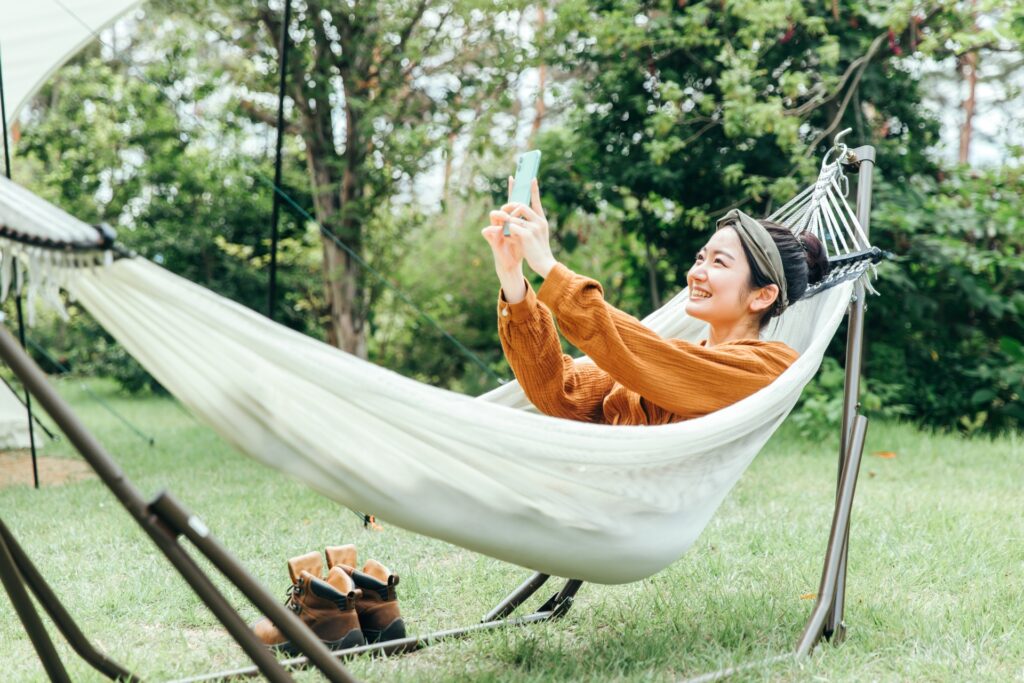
<point x="719" y="282"/>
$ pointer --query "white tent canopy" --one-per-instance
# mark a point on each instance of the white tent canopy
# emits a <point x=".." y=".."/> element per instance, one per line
<point x="38" y="36"/>
<point x="13" y="421"/>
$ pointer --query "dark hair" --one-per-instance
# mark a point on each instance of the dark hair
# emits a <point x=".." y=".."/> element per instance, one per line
<point x="804" y="262"/>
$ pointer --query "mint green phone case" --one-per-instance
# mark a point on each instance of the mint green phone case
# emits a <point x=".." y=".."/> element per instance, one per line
<point x="526" y="170"/>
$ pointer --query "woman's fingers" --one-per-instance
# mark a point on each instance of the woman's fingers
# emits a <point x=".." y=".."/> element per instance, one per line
<point x="524" y="211"/>
<point x="499" y="216"/>
<point x="511" y="182"/>
<point x="489" y="233"/>
<point x="517" y="229"/>
<point x="535" y="199"/>
<point x="524" y="227"/>
<point x="504" y="218"/>
<point x="494" y="234"/>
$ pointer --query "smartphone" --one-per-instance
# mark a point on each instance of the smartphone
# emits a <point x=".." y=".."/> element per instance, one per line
<point x="526" y="170"/>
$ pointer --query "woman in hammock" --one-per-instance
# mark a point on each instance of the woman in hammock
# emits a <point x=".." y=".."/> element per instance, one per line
<point x="747" y="273"/>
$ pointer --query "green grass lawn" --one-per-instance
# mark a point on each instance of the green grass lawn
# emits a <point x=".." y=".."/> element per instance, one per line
<point x="935" y="589"/>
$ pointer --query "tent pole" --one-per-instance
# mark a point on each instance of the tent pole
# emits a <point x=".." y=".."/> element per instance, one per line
<point x="28" y="395"/>
<point x="166" y="539"/>
<point x="3" y="117"/>
<point x="17" y="297"/>
<point x="42" y="426"/>
<point x="275" y="212"/>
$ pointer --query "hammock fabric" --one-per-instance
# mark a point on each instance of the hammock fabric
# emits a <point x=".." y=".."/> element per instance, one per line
<point x="50" y="245"/>
<point x="607" y="504"/>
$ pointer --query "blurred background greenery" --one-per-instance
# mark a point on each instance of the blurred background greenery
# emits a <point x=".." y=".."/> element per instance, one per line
<point x="654" y="118"/>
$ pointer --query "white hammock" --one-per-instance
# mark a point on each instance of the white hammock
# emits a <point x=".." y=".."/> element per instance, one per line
<point x="597" y="502"/>
<point x="608" y="504"/>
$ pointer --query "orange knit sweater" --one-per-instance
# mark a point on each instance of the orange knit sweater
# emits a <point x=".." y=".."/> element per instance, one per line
<point x="637" y="378"/>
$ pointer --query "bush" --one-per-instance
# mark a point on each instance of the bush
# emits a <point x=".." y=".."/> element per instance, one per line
<point x="947" y="331"/>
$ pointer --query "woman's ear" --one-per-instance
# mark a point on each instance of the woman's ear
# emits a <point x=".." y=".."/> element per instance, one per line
<point x="764" y="298"/>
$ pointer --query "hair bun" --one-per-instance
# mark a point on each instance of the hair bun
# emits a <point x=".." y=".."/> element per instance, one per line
<point x="817" y="259"/>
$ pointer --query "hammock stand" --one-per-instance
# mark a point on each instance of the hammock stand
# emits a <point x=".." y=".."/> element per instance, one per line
<point x="166" y="521"/>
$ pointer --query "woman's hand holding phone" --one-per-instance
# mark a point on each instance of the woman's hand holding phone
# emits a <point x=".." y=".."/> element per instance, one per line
<point x="529" y="228"/>
<point x="508" y="258"/>
<point x="519" y="230"/>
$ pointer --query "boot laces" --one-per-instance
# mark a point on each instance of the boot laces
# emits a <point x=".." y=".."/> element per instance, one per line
<point x="291" y="596"/>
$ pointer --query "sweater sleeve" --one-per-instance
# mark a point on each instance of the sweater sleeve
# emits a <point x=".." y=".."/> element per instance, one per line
<point x="552" y="380"/>
<point x="684" y="378"/>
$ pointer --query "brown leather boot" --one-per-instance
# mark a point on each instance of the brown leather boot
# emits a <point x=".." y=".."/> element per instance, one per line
<point x="327" y="607"/>
<point x="340" y="554"/>
<point x="377" y="605"/>
<point x="309" y="562"/>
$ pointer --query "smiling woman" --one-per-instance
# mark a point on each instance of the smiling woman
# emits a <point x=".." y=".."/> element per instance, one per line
<point x="759" y="266"/>
<point x="748" y="272"/>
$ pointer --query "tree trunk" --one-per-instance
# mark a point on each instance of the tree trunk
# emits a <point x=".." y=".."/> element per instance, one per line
<point x="346" y="328"/>
<point x="538" y="116"/>
<point x="342" y="274"/>
<point x="969" y="69"/>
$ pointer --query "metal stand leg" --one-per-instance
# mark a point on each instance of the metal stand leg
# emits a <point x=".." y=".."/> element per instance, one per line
<point x="864" y="159"/>
<point x="180" y="521"/>
<point x="164" y="521"/>
<point x="826" y="602"/>
<point x="835" y="627"/>
<point x="60" y="616"/>
<point x="555" y="607"/>
<point x="559" y="603"/>
<point x="14" y="584"/>
<point x="516" y="598"/>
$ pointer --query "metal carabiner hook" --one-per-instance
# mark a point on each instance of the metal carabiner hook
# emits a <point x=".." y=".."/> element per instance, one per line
<point x="840" y="135"/>
<point x="839" y="146"/>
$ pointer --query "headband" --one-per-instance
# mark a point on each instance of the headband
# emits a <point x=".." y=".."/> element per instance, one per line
<point x="761" y="247"/>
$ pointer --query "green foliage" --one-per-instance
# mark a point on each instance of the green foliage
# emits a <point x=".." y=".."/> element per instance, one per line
<point x="819" y="414"/>
<point x="376" y="93"/>
<point x="691" y="108"/>
<point x="449" y="276"/>
<point x="950" y="324"/>
<point x="676" y="112"/>
<point x="688" y="109"/>
<point x="944" y="339"/>
<point x="109" y="146"/>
